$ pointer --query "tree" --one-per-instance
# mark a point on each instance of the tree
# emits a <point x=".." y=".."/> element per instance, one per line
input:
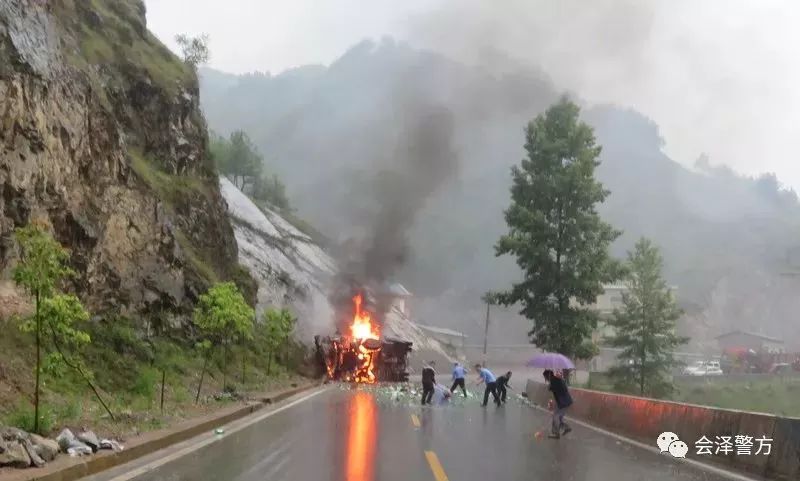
<point x="556" y="234"/>
<point x="194" y="49"/>
<point x="238" y="159"/>
<point x="270" y="189"/>
<point x="221" y="315"/>
<point x="220" y="152"/>
<point x="162" y="351"/>
<point x="274" y="331"/>
<point x="244" y="161"/>
<point x="42" y="265"/>
<point x="59" y="315"/>
<point x="645" y="327"/>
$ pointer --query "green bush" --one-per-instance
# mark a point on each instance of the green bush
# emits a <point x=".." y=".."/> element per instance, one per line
<point x="71" y="411"/>
<point x="22" y="417"/>
<point x="146" y="383"/>
<point x="698" y="390"/>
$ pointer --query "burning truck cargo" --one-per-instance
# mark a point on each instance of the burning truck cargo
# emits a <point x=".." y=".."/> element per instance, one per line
<point x="360" y="354"/>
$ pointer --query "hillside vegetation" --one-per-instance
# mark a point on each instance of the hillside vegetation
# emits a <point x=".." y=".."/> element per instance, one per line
<point x="726" y="238"/>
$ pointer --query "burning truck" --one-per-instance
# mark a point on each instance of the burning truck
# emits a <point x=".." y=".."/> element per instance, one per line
<point x="358" y="353"/>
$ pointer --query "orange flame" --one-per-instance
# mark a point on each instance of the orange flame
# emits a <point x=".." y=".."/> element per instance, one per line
<point x="362" y="327"/>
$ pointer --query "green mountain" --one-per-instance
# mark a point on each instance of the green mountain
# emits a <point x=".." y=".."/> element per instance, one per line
<point x="328" y="131"/>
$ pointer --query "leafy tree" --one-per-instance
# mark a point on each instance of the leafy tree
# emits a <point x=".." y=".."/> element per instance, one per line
<point x="274" y="331"/>
<point x="220" y="152"/>
<point x="221" y="315"/>
<point x="556" y="234"/>
<point x="645" y="327"/>
<point x="60" y="313"/>
<point x="270" y="189"/>
<point x="42" y="264"/>
<point x="245" y="162"/>
<point x="195" y="49"/>
<point x="239" y="160"/>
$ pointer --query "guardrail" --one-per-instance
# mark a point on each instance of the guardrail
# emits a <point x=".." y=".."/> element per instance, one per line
<point x="645" y="419"/>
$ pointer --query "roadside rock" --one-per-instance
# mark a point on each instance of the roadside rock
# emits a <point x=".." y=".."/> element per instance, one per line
<point x="36" y="460"/>
<point x="13" y="434"/>
<point x="14" y="456"/>
<point x="65" y="438"/>
<point x="47" y="449"/>
<point x="90" y="439"/>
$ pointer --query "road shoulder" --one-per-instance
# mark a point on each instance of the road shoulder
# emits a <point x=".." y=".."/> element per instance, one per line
<point x="66" y="468"/>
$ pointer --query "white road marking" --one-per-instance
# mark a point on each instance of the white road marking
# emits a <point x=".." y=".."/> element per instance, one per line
<point x="698" y="464"/>
<point x="194" y="447"/>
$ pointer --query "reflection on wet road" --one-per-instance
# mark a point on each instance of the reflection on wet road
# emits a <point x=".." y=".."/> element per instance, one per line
<point x="353" y="435"/>
<point x="362" y="426"/>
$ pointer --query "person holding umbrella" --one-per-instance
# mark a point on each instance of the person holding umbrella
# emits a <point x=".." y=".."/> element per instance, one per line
<point x="563" y="401"/>
<point x="550" y="361"/>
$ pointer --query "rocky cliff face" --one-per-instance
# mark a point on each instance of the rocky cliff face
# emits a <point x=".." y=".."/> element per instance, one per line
<point x="101" y="138"/>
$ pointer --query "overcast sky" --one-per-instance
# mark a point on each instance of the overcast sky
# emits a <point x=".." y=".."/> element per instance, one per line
<point x="718" y="76"/>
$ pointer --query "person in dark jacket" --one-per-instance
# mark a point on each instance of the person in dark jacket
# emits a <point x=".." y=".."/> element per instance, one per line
<point x="563" y="401"/>
<point x="502" y="384"/>
<point x="428" y="382"/>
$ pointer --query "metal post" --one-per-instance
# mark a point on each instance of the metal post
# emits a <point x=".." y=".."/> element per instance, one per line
<point x="486" y="332"/>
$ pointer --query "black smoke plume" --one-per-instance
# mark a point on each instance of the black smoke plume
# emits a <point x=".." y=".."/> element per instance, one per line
<point x="421" y="160"/>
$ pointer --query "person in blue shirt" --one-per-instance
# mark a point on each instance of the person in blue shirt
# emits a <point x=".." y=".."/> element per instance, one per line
<point x="459" y="374"/>
<point x="485" y="376"/>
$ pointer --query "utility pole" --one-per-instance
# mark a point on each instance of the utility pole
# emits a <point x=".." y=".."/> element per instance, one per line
<point x="486" y="326"/>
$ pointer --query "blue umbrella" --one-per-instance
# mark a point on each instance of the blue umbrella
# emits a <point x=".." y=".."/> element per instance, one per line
<point x="550" y="360"/>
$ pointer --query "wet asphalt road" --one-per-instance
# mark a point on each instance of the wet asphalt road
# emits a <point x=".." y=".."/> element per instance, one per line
<point x="354" y="435"/>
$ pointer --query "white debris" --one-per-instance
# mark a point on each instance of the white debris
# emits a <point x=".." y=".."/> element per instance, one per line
<point x="425" y="347"/>
<point x="289" y="268"/>
<point x="111" y="444"/>
<point x="242" y="209"/>
<point x="79" y="451"/>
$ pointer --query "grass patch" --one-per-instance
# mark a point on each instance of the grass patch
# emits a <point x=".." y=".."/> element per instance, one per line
<point x="112" y="34"/>
<point x="775" y="396"/>
<point x="245" y="282"/>
<point x="174" y="189"/>
<point x="169" y="187"/>
<point x="22" y="416"/>
<point x="195" y="259"/>
<point x="94" y="47"/>
<point x="145" y="385"/>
